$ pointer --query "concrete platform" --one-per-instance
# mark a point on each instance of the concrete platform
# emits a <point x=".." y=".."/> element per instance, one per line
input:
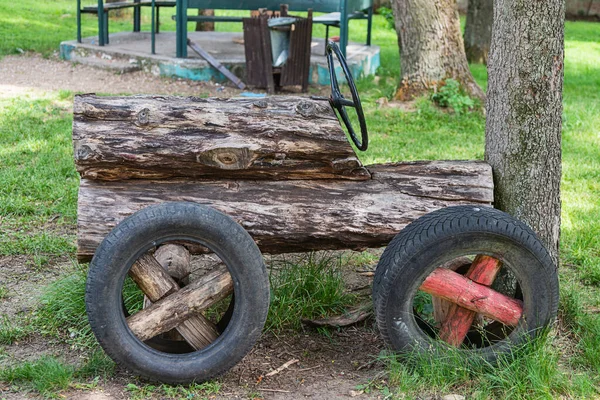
<point x="129" y="51"/>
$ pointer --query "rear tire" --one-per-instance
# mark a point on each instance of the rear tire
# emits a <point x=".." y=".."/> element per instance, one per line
<point x="445" y="235"/>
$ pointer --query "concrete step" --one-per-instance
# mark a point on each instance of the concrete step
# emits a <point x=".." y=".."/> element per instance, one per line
<point x="107" y="62"/>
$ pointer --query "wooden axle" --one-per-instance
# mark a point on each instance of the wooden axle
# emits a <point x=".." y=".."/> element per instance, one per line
<point x="473" y="296"/>
<point x="458" y="321"/>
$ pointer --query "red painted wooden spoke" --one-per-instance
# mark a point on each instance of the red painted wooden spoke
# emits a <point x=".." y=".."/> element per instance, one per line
<point x="458" y="320"/>
<point x="473" y="296"/>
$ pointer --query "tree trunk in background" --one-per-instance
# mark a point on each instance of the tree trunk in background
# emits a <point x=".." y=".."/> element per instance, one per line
<point x="524" y="109"/>
<point x="205" y="26"/>
<point x="377" y="4"/>
<point x="462" y="6"/>
<point x="478" y="30"/>
<point x="431" y="47"/>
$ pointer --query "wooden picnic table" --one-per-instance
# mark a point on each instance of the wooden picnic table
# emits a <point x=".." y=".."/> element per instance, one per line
<point x="351" y="9"/>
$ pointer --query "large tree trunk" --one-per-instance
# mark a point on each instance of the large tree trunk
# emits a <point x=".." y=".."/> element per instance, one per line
<point x="478" y="30"/>
<point x="205" y="26"/>
<point x="431" y="47"/>
<point x="297" y="215"/>
<point x="524" y="110"/>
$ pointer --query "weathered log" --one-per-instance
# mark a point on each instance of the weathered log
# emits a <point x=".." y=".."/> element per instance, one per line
<point x="171" y="311"/>
<point x="458" y="320"/>
<point x="451" y="286"/>
<point x="155" y="137"/>
<point x="301" y="215"/>
<point x="153" y="277"/>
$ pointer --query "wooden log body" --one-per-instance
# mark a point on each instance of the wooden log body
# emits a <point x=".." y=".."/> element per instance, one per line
<point x="458" y="320"/>
<point x="456" y="288"/>
<point x="157" y="137"/>
<point x="300" y="215"/>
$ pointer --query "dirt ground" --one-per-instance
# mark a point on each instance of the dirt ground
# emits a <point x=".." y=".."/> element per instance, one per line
<point x="329" y="366"/>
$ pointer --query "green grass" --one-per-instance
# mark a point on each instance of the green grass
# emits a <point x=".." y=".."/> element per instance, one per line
<point x="38" y="194"/>
<point x="312" y="288"/>
<point x="204" y="391"/>
<point x="46" y="375"/>
<point x="38" y="181"/>
<point x="530" y="371"/>
<point x="61" y="312"/>
<point x="13" y="330"/>
<point x="4" y="293"/>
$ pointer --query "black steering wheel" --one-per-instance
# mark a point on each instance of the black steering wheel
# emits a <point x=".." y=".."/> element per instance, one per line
<point x="339" y="102"/>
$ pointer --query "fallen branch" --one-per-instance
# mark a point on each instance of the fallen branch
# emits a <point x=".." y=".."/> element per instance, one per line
<point x="284" y="366"/>
<point x="353" y="316"/>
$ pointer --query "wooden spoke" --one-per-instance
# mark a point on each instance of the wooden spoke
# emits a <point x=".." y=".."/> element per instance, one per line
<point x="169" y="312"/>
<point x="441" y="306"/>
<point x="458" y="289"/>
<point x="458" y="320"/>
<point x="157" y="284"/>
<point x="152" y="278"/>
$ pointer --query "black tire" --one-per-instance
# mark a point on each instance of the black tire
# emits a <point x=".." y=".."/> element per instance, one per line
<point x="446" y="234"/>
<point x="149" y="228"/>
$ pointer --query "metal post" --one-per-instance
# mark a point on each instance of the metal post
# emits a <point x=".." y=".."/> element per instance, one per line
<point x="343" y="26"/>
<point x="178" y="29"/>
<point x="152" y="29"/>
<point x="106" y="29"/>
<point x="184" y="9"/>
<point x="78" y="21"/>
<point x="369" y="25"/>
<point x="136" y="17"/>
<point x="101" y="34"/>
<point x="158" y="19"/>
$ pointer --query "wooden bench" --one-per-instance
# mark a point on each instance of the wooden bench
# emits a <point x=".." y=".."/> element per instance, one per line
<point x="103" y="9"/>
<point x="351" y="9"/>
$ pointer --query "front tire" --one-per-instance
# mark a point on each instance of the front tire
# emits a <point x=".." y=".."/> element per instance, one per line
<point x="144" y="231"/>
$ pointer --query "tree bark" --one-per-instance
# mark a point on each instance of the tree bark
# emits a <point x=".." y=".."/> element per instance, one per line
<point x="298" y="215"/>
<point x="478" y="30"/>
<point x="156" y="137"/>
<point x="431" y="47"/>
<point x="524" y="111"/>
<point x="205" y="26"/>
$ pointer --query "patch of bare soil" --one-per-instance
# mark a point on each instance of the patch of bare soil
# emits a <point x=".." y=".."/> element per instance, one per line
<point x="33" y="71"/>
<point x="329" y="365"/>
